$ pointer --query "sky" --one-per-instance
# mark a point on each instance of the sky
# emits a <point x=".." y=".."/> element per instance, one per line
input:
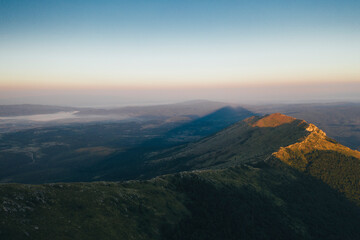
<point x="122" y="52"/>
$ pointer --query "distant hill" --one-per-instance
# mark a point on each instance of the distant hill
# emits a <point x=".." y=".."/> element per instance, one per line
<point x="14" y="118"/>
<point x="191" y="108"/>
<point x="196" y="108"/>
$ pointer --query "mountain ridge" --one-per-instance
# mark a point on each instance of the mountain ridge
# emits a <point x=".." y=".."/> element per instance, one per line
<point x="319" y="140"/>
<point x="325" y="159"/>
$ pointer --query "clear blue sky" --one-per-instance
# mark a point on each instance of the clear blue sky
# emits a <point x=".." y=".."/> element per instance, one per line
<point x="169" y="44"/>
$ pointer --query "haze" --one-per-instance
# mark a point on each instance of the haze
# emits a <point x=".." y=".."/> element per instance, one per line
<point x="142" y="52"/>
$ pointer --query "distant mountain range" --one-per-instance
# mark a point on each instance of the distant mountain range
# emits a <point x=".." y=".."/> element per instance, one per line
<point x="340" y="121"/>
<point x="198" y="108"/>
<point x="269" y="177"/>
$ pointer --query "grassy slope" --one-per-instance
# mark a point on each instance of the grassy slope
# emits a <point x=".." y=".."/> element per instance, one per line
<point x="235" y="203"/>
<point x="237" y="144"/>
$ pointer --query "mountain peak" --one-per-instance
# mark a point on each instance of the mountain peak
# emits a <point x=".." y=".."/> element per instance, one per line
<point x="315" y="129"/>
<point x="273" y="120"/>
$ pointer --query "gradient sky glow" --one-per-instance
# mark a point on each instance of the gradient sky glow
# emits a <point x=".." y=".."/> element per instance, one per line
<point x="176" y="44"/>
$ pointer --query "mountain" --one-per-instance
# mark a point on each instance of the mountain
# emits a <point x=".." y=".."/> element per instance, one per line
<point x="242" y="142"/>
<point x="270" y="177"/>
<point x="250" y="141"/>
<point x="276" y="136"/>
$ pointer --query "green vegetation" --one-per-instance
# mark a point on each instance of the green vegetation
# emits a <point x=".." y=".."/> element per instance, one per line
<point x="235" y="203"/>
<point x="134" y="210"/>
<point x="338" y="170"/>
